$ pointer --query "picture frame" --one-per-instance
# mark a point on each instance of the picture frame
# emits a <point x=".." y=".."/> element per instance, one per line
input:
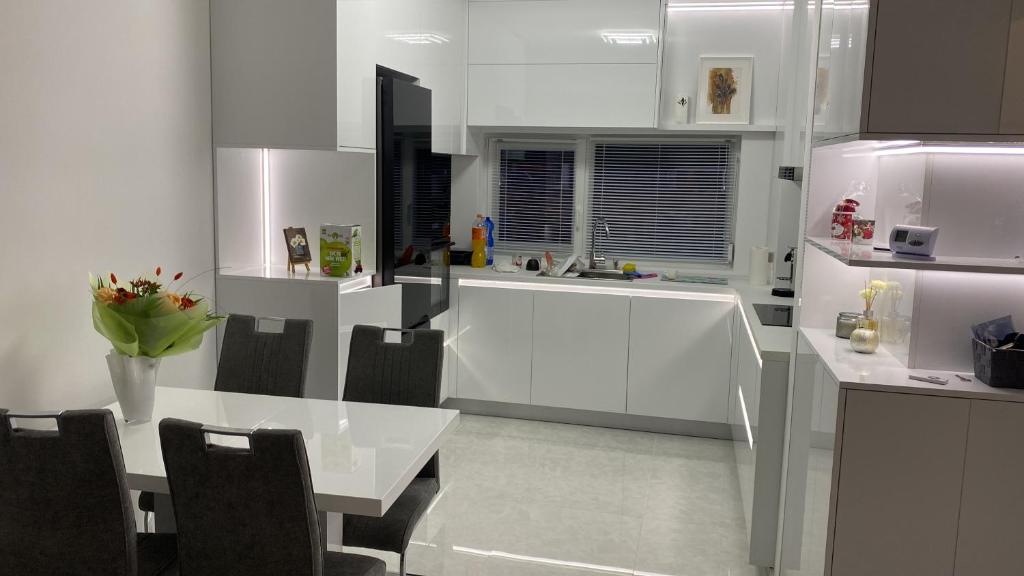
<point x="725" y="87"/>
<point x="299" y="252"/>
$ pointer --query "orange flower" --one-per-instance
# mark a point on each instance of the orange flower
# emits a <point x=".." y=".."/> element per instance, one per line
<point x="173" y="298"/>
<point x="106" y="295"/>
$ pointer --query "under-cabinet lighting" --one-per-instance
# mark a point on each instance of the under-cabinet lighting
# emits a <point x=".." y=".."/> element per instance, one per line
<point x="761" y="5"/>
<point x="418" y="280"/>
<point x="750" y="334"/>
<point x="265" y="204"/>
<point x="356" y="284"/>
<point x="589" y="289"/>
<point x="629" y="38"/>
<point x="553" y="562"/>
<point x="420" y="38"/>
<point x="746" y="418"/>
<point x="938" y="149"/>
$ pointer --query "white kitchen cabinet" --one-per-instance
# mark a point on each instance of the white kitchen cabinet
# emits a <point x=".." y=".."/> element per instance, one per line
<point x="564" y="32"/>
<point x="580" y="344"/>
<point x="302" y="74"/>
<point x="679" y="358"/>
<point x="563" y="95"/>
<point x="495" y="344"/>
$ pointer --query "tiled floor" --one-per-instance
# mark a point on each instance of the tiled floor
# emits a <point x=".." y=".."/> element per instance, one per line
<point x="535" y="498"/>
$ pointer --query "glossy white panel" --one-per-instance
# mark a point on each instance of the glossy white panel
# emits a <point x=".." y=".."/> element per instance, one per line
<point x="563" y="95"/>
<point x="495" y="344"/>
<point x="361" y="456"/>
<point x="679" y="357"/>
<point x="692" y="34"/>
<point x="376" y="307"/>
<point x="580" y="351"/>
<point x="443" y="71"/>
<point x="842" y="48"/>
<point x="358" y="29"/>
<point x="441" y="322"/>
<point x="564" y="32"/>
<point x="239" y="207"/>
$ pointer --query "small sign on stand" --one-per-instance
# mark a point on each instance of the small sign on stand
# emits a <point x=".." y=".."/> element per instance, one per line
<point x="297" y="243"/>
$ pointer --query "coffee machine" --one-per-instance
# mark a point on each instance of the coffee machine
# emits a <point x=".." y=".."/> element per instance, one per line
<point x="784" y="287"/>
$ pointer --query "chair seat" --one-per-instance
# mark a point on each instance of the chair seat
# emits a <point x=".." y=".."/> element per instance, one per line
<point x="147" y="502"/>
<point x="345" y="564"/>
<point x="158" y="554"/>
<point x="392" y="531"/>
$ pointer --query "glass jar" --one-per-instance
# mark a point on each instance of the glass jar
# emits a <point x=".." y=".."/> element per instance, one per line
<point x="846" y="323"/>
<point x="865" y="338"/>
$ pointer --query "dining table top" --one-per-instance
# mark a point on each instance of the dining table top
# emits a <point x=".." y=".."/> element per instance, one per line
<point x="361" y="456"/>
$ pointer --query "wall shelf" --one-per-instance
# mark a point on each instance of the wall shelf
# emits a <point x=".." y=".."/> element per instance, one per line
<point x="866" y="257"/>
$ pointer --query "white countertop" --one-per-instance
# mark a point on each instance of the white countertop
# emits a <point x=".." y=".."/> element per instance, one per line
<point x="361" y="456"/>
<point x="773" y="342"/>
<point x="882" y="372"/>
<point x="281" y="273"/>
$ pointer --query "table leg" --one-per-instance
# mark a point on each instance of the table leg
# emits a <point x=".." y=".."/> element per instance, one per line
<point x="163" y="514"/>
<point x="330" y="530"/>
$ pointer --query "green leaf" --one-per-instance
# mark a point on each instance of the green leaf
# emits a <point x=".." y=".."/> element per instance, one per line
<point x="113" y="327"/>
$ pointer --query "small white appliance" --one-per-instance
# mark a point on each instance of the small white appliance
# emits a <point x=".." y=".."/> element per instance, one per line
<point x="914" y="241"/>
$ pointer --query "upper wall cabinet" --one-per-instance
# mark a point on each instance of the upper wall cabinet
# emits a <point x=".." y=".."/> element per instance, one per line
<point x="568" y="63"/>
<point x="921" y="68"/>
<point x="302" y="74"/>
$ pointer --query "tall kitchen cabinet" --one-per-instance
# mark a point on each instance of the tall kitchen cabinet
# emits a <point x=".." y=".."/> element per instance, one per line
<point x="571" y="63"/>
<point x="302" y="74"/>
<point x="923" y="68"/>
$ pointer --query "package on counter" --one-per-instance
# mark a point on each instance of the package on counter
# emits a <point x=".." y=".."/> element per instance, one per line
<point x="340" y="247"/>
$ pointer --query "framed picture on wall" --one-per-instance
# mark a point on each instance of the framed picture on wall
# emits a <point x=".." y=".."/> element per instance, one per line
<point x="724" y="89"/>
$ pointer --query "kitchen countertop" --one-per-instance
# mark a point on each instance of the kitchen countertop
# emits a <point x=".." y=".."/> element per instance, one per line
<point x="772" y="342"/>
<point x="882" y="372"/>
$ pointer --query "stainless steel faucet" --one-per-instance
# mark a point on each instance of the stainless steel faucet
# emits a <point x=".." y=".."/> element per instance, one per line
<point x="598" y="261"/>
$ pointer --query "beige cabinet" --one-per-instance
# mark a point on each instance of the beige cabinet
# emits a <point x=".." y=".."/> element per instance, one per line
<point x="1012" y="121"/>
<point x="990" y="541"/>
<point x="900" y="475"/>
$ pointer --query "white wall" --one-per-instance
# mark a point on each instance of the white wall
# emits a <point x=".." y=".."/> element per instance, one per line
<point x="105" y="164"/>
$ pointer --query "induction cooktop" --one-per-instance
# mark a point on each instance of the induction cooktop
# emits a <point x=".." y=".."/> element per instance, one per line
<point x="774" y="314"/>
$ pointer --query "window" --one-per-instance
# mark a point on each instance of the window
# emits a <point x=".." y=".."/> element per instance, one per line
<point x="665" y="201"/>
<point x="533" y="195"/>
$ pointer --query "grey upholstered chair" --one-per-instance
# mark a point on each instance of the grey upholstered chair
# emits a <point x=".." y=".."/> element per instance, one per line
<point x="248" y="511"/>
<point x="257" y="362"/>
<point x="64" y="501"/>
<point x="406" y="373"/>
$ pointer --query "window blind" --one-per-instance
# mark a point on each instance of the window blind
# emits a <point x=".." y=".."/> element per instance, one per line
<point x="532" y="196"/>
<point x="665" y="201"/>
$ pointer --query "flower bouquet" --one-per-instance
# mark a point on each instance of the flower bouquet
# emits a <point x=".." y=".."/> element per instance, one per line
<point x="144" y="322"/>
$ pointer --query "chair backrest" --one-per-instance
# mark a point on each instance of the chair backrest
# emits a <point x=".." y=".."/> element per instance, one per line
<point x="245" y="511"/>
<point x="65" y="507"/>
<point x="406" y="373"/>
<point x="254" y="362"/>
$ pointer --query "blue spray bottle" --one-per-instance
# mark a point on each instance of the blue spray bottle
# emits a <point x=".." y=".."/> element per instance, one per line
<point x="489" y="225"/>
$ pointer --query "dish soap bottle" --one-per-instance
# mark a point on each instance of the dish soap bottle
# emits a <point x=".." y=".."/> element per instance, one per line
<point x="489" y="225"/>
<point x="479" y="243"/>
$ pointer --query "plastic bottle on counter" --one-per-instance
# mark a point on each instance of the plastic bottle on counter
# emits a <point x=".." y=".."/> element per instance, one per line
<point x="479" y="243"/>
<point x="489" y="225"/>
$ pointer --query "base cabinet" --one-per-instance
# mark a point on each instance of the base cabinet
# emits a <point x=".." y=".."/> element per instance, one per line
<point x="990" y="541"/>
<point x="495" y="344"/>
<point x="897" y="503"/>
<point x="580" y="344"/>
<point x="676" y="348"/>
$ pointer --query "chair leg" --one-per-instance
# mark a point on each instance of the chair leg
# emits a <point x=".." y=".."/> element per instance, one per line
<point x="401" y="564"/>
<point x="147" y="518"/>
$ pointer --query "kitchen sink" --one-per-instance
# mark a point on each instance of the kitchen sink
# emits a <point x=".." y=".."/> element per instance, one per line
<point x="605" y="275"/>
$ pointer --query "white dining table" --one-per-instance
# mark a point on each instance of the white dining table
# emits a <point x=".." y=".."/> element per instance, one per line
<point x="361" y="456"/>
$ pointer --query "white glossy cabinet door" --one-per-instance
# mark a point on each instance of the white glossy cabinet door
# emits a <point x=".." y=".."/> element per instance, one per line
<point x="679" y="358"/>
<point x="444" y="72"/>
<point x="580" y="346"/>
<point x="358" y="24"/>
<point x="495" y="344"/>
<point x="564" y="32"/>
<point x="563" y="95"/>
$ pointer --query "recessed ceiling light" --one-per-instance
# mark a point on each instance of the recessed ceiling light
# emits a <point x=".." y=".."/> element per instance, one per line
<point x="420" y="38"/>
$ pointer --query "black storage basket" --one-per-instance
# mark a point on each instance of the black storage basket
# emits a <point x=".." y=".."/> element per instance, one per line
<point x="998" y="368"/>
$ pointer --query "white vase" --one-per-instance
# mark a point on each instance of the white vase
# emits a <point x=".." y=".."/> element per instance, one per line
<point x="134" y="379"/>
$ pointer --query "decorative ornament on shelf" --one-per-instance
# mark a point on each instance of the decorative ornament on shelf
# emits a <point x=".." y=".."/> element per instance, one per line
<point x="865" y="338"/>
<point x="146" y="322"/>
<point x="682" y="109"/>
